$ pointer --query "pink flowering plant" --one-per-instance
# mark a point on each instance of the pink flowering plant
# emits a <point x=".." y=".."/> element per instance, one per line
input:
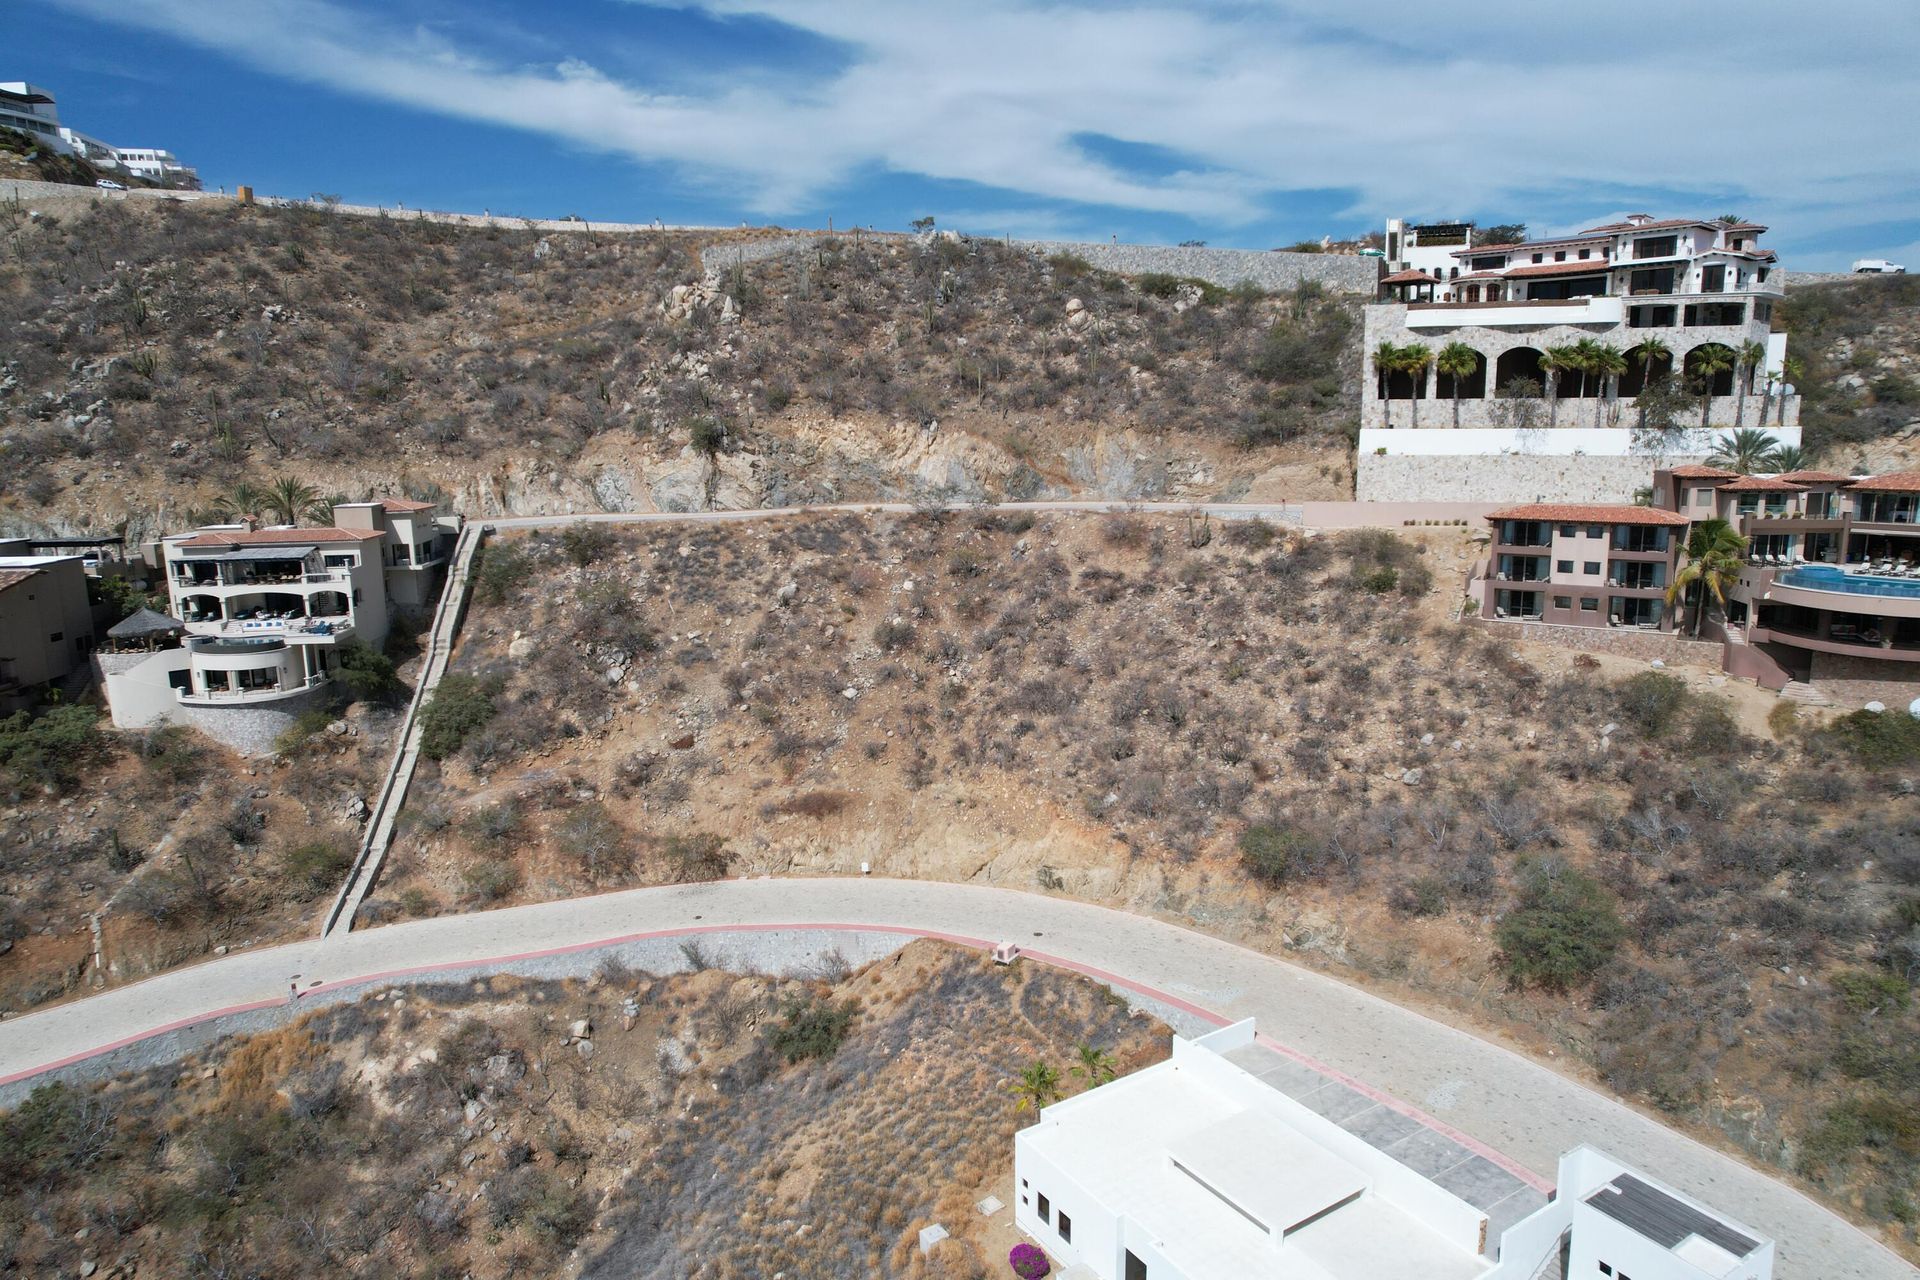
<point x="1028" y="1262"/>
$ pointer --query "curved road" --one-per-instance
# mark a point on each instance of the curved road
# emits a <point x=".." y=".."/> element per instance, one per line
<point x="1488" y="1093"/>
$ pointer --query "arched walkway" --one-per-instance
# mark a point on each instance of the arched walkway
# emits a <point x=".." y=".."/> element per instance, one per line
<point x="1519" y="362"/>
<point x="1722" y="381"/>
<point x="1635" y="379"/>
<point x="1472" y="387"/>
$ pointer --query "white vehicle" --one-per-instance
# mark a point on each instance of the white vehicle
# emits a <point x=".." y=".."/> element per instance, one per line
<point x="1878" y="267"/>
<point x="108" y="184"/>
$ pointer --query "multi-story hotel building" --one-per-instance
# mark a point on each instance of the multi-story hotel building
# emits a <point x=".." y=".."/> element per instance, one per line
<point x="1705" y="290"/>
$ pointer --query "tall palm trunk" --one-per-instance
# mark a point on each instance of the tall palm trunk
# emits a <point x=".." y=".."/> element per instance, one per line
<point x="1553" y="400"/>
<point x="1456" y="402"/>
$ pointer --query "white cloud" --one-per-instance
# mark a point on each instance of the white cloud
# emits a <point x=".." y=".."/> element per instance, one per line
<point x="1416" y="108"/>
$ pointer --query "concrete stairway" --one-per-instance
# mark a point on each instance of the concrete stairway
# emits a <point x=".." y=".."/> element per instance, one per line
<point x="1805" y="694"/>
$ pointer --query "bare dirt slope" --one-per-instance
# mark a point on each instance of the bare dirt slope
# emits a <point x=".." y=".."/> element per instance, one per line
<point x="1283" y="740"/>
<point x="729" y="1126"/>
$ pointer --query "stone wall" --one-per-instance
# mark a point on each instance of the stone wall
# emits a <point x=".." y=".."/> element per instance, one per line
<point x="1646" y="646"/>
<point x="1501" y="479"/>
<point x="716" y="258"/>
<point x="253" y="729"/>
<point x="1341" y="273"/>
<point x="1854" y="682"/>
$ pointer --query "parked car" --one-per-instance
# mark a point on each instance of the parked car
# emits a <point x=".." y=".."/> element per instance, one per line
<point x="108" y="184"/>
<point x="1878" y="267"/>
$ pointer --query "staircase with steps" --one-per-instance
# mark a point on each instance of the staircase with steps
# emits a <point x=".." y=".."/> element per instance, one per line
<point x="1805" y="694"/>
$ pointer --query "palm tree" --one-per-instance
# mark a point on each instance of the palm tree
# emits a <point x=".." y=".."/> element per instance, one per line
<point x="1457" y="361"/>
<point x="1646" y="351"/>
<point x="1586" y="356"/>
<point x="1037" y="1085"/>
<point x="320" y="510"/>
<point x="287" y="497"/>
<point x="1096" y="1066"/>
<point x="1790" y="457"/>
<point x="1792" y="369"/>
<point x="1746" y="450"/>
<point x="1555" y="361"/>
<point x="1748" y="360"/>
<point x="1386" y="363"/>
<point x="245" y="498"/>
<point x="1709" y="362"/>
<point x="1415" y="358"/>
<point x="1715" y="553"/>
<point x="1609" y="362"/>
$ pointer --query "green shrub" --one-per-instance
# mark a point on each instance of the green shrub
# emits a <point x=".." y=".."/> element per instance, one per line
<point x="314" y="867"/>
<point x="1561" y="931"/>
<point x="1864" y="991"/>
<point x="56" y="1133"/>
<point x="697" y="857"/>
<point x="367" y="673"/>
<point x="500" y="570"/>
<point x="1158" y="284"/>
<point x="1069" y="266"/>
<point x="1268" y="850"/>
<point x="52" y="749"/>
<point x="1651" y="701"/>
<point x="814" y="1028"/>
<point x="1881" y="739"/>
<point x="585" y="542"/>
<point x="491" y="881"/>
<point x="304" y="726"/>
<point x="1380" y="579"/>
<point x="459" y="706"/>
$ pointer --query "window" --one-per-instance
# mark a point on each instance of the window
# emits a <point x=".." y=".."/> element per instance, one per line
<point x="1563" y="602"/>
<point x="1563" y="566"/>
<point x="1046" y="1210"/>
<point x="1066" y="1228"/>
<point x="1656" y="247"/>
<point x="1605" y="1270"/>
<point x="1586" y="253"/>
<point x="1702" y="497"/>
<point x="1136" y="1269"/>
<point x="1560" y="255"/>
<point x="1569" y="530"/>
<point x="1539" y="257"/>
<point x="56" y="637"/>
<point x="1596" y="531"/>
<point x="1023" y="1182"/>
<point x="1589" y="604"/>
<point x="1713" y="279"/>
<point x="1590" y="566"/>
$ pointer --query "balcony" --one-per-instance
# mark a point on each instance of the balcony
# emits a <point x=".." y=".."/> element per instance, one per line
<point x="1598" y="310"/>
<point x="245" y="697"/>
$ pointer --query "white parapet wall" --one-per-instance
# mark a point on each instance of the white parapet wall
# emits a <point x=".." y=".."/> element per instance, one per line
<point x="1503" y="464"/>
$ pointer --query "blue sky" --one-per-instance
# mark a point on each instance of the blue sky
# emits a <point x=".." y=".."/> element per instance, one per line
<point x="1245" y="122"/>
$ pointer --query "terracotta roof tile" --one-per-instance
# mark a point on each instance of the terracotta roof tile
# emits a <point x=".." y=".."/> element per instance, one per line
<point x="1701" y="471"/>
<point x="1583" y="513"/>
<point x="1557" y="242"/>
<point x="1583" y="267"/>
<point x="1891" y="482"/>
<point x="1409" y="277"/>
<point x="14" y="577"/>
<point x="271" y="537"/>
<point x="1665" y="224"/>
<point x="1756" y="484"/>
<point x="405" y="504"/>
<point x="1813" y="477"/>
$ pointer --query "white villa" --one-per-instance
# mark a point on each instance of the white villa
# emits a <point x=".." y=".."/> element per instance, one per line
<point x="1704" y="289"/>
<point x="1197" y="1169"/>
<point x="265" y="612"/>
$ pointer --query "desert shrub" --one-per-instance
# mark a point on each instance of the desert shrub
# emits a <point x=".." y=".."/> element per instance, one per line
<point x="174" y="754"/>
<point x="596" y="841"/>
<point x="367" y="673"/>
<point x="1562" y="929"/>
<point x="817" y="804"/>
<point x="460" y="705"/>
<point x="1268" y="851"/>
<point x="1250" y="535"/>
<point x="1157" y="284"/>
<point x="490" y="881"/>
<point x="1879" y="739"/>
<point x="501" y="569"/>
<point x="57" y="1133"/>
<point x="894" y="635"/>
<point x="810" y="1028"/>
<point x="700" y="856"/>
<point x="49" y="750"/>
<point x="1651" y="701"/>
<point x="313" y="867"/>
<point x="1380" y="580"/>
<point x="1426" y="896"/>
<point x="1865" y="992"/>
<point x="542" y="1202"/>
<point x="585" y="542"/>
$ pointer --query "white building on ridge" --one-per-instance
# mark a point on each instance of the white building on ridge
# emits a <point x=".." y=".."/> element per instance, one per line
<point x="1688" y="303"/>
<point x="31" y="110"/>
<point x="1196" y="1169"/>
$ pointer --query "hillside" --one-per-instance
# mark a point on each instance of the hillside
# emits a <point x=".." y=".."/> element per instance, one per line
<point x="709" y="1124"/>
<point x="157" y="357"/>
<point x="1282" y="740"/>
<point x="1859" y="342"/>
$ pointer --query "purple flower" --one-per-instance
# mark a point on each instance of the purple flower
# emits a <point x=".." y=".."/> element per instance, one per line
<point x="1028" y="1262"/>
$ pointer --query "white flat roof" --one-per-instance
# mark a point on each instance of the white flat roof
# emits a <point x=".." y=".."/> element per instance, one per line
<point x="1120" y="1143"/>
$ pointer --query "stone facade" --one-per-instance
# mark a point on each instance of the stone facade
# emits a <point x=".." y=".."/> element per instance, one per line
<point x="1647" y="646"/>
<point x="1853" y="682"/>
<point x="1500" y="479"/>
<point x="1341" y="273"/>
<point x="253" y="729"/>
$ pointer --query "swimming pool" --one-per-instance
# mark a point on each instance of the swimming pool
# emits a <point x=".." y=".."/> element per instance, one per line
<point x="1827" y="577"/>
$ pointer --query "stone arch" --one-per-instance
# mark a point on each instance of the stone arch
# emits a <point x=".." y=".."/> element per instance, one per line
<point x="1518" y="362"/>
<point x="1722" y="381"/>
<point x="1635" y="379"/>
<point x="327" y="604"/>
<point x="1472" y="387"/>
<point x="201" y="608"/>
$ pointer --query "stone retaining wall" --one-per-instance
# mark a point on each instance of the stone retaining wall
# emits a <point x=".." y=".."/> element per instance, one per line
<point x="1225" y="267"/>
<point x="1854" y="682"/>
<point x="1646" y="646"/>
<point x="252" y="730"/>
<point x="1504" y="478"/>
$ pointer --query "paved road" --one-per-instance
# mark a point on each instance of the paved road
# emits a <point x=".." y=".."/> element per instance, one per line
<point x="1312" y="515"/>
<point x="1496" y="1097"/>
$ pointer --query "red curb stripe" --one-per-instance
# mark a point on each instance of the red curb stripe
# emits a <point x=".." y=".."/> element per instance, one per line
<point x="979" y="944"/>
